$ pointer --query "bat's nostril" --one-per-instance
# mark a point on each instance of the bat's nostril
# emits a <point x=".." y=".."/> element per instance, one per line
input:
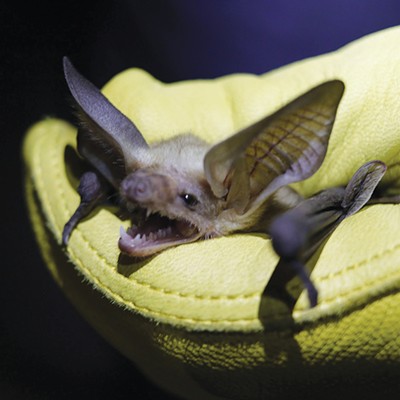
<point x="149" y="188"/>
<point x="141" y="188"/>
<point x="138" y="189"/>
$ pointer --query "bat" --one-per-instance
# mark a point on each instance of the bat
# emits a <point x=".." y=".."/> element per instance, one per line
<point x="183" y="189"/>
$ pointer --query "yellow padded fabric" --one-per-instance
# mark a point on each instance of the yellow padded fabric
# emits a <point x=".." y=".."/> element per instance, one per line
<point x="200" y="303"/>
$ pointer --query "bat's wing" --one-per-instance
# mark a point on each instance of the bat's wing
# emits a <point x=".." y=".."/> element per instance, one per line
<point x="286" y="147"/>
<point x="298" y="233"/>
<point x="92" y="190"/>
<point x="106" y="138"/>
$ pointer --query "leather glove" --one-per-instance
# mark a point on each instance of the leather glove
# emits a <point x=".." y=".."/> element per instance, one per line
<point x="193" y="317"/>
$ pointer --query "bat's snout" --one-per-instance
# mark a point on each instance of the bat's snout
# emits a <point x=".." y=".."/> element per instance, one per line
<point x="149" y="188"/>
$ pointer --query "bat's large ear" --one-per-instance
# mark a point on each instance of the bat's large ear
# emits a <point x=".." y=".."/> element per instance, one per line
<point x="286" y="147"/>
<point x="106" y="138"/>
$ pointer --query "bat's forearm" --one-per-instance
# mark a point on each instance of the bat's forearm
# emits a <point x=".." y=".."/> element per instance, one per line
<point x="93" y="190"/>
<point x="298" y="233"/>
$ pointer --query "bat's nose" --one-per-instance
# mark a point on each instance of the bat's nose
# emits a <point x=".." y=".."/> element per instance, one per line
<point x="149" y="188"/>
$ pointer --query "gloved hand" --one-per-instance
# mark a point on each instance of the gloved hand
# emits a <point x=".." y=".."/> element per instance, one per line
<point x="195" y="313"/>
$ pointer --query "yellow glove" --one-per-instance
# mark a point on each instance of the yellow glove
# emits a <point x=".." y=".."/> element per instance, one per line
<point x="192" y="314"/>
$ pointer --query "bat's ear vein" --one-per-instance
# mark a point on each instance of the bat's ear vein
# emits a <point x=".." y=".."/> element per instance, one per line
<point x="285" y="147"/>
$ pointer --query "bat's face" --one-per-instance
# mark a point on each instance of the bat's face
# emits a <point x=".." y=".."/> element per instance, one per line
<point x="169" y="198"/>
<point x="172" y="202"/>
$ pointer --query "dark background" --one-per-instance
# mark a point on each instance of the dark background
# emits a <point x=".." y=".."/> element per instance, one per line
<point x="47" y="351"/>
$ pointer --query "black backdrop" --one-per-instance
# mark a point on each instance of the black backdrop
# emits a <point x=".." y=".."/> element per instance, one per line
<point x="46" y="350"/>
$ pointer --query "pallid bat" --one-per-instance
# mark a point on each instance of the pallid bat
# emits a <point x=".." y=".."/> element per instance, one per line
<point x="183" y="189"/>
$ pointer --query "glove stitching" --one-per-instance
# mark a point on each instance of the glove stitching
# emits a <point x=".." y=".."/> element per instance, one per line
<point x="111" y="293"/>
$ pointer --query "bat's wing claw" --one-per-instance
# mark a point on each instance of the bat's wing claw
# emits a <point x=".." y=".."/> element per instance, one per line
<point x="299" y="232"/>
<point x="362" y="185"/>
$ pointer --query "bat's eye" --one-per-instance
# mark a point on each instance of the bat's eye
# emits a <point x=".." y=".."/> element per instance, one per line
<point x="189" y="199"/>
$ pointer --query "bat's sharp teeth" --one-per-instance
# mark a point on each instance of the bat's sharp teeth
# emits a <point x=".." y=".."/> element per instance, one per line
<point x="122" y="232"/>
<point x="160" y="233"/>
<point x="186" y="228"/>
<point x="136" y="239"/>
<point x="124" y="235"/>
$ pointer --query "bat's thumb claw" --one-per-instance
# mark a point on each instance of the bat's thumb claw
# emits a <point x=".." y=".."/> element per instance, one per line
<point x="362" y="185"/>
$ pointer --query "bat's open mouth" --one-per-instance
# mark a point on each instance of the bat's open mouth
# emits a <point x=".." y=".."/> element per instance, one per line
<point x="155" y="233"/>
